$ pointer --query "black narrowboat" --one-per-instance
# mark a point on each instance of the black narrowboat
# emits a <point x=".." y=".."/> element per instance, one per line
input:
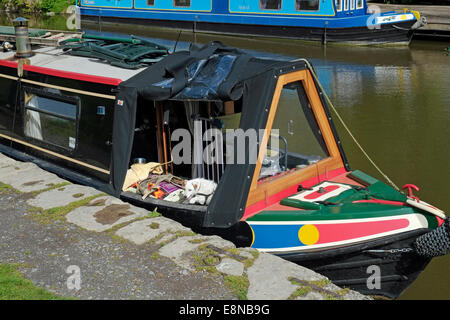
<point x="226" y="143"/>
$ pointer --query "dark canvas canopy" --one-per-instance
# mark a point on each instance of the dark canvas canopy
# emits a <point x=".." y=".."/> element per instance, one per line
<point x="211" y="72"/>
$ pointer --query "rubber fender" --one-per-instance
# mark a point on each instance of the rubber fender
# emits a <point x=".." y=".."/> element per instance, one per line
<point x="434" y="243"/>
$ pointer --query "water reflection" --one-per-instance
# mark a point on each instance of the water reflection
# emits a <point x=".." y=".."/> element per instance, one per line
<point x="49" y="22"/>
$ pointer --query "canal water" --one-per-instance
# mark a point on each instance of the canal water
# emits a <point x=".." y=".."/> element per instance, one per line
<point x="396" y="101"/>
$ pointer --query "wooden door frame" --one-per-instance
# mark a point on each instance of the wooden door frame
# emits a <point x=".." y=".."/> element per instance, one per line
<point x="262" y="191"/>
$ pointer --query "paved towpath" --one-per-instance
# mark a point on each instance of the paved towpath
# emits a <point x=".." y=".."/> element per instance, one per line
<point x="77" y="242"/>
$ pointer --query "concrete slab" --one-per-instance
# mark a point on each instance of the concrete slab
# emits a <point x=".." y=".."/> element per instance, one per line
<point x="62" y="196"/>
<point x="142" y="231"/>
<point x="14" y="168"/>
<point x="32" y="179"/>
<point x="265" y="286"/>
<point x="104" y="213"/>
<point x="182" y="248"/>
<point x="6" y="161"/>
<point x="231" y="267"/>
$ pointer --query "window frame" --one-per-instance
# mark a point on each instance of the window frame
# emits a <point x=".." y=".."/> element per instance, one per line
<point x="362" y="4"/>
<point x="175" y="5"/>
<point x="264" y="9"/>
<point x="338" y="9"/>
<point x="260" y="191"/>
<point x="318" y="7"/>
<point x="73" y="100"/>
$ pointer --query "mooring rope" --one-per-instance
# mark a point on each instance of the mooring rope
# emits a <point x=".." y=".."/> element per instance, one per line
<point x="345" y="126"/>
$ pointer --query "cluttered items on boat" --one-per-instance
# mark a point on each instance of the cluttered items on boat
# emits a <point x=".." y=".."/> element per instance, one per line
<point x="150" y="180"/>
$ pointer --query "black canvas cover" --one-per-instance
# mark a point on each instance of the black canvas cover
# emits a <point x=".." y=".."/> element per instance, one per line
<point x="211" y="72"/>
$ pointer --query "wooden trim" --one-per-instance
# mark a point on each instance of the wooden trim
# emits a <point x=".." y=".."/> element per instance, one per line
<point x="8" y="77"/>
<point x="265" y="138"/>
<point x="88" y="93"/>
<point x="41" y="84"/>
<point x="281" y="183"/>
<point x="259" y="191"/>
<point x="84" y="164"/>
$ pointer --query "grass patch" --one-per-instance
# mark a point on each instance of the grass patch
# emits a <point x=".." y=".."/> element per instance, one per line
<point x="6" y="188"/>
<point x="304" y="287"/>
<point x="59" y="213"/>
<point x="154" y="225"/>
<point x="154" y="213"/>
<point x="13" y="286"/>
<point x="300" y="292"/>
<point x="238" y="285"/>
<point x="207" y="258"/>
<point x="55" y="186"/>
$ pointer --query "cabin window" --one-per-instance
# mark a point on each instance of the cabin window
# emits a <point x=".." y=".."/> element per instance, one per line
<point x="295" y="141"/>
<point x="270" y="4"/>
<point x="338" y="4"/>
<point x="182" y="3"/>
<point x="311" y="5"/>
<point x="359" y="4"/>
<point x="352" y="4"/>
<point x="51" y="120"/>
<point x="346" y="5"/>
<point x="150" y="3"/>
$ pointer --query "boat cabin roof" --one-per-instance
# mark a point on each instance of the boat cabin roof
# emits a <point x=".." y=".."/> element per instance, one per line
<point x="57" y="59"/>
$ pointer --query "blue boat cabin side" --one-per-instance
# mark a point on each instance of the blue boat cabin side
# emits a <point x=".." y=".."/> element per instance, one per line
<point x="316" y="20"/>
<point x="209" y="9"/>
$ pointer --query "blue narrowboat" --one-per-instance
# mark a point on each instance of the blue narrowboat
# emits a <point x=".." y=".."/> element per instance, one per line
<point x="341" y="21"/>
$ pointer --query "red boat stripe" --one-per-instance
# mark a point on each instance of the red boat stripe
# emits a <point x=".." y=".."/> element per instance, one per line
<point x="346" y="231"/>
<point x="64" y="74"/>
<point x="6" y="63"/>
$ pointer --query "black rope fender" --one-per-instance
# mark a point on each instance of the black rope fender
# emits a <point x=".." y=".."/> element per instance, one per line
<point x="434" y="243"/>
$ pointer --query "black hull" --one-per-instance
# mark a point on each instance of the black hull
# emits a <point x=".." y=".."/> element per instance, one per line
<point x="352" y="267"/>
<point x="388" y="34"/>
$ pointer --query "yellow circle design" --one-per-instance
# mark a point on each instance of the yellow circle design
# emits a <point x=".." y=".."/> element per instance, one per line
<point x="308" y="234"/>
<point x="403" y="17"/>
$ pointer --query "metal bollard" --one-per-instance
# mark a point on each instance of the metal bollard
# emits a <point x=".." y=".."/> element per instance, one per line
<point x="23" y="46"/>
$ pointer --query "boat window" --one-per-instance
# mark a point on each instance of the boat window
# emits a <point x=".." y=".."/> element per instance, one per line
<point x="270" y="4"/>
<point x="295" y="141"/>
<point x="50" y="120"/>
<point x="359" y="4"/>
<point x="338" y="5"/>
<point x="306" y="4"/>
<point x="346" y="5"/>
<point x="150" y="3"/>
<point x="352" y="4"/>
<point x="182" y="3"/>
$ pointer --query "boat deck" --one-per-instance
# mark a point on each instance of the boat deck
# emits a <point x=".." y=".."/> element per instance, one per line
<point x="54" y="58"/>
